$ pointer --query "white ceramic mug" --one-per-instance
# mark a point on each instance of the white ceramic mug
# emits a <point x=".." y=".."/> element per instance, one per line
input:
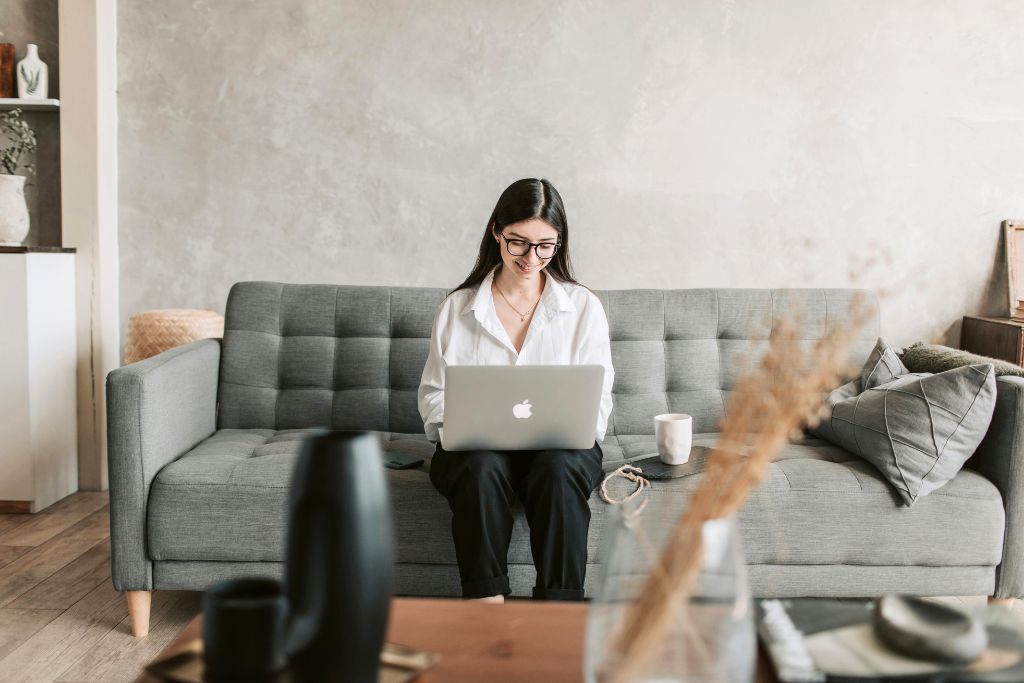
<point x="674" y="433"/>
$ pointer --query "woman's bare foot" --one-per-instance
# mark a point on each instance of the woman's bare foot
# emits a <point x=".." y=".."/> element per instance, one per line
<point x="494" y="598"/>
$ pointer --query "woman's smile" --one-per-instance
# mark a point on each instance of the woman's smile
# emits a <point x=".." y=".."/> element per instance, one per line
<point x="523" y="268"/>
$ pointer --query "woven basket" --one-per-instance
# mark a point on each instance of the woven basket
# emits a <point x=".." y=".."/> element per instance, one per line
<point x="152" y="332"/>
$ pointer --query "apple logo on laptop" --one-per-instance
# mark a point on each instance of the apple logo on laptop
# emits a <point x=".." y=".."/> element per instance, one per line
<point x="521" y="411"/>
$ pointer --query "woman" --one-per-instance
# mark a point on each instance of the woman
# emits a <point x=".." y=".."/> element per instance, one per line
<point x="519" y="306"/>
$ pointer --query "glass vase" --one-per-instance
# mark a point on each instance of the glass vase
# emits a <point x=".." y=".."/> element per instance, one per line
<point x="709" y="637"/>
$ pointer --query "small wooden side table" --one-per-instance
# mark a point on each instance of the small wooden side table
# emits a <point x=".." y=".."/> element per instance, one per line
<point x="1000" y="338"/>
<point x="521" y="641"/>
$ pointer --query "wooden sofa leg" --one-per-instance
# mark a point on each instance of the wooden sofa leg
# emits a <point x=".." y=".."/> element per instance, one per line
<point x="138" y="611"/>
<point x="1003" y="602"/>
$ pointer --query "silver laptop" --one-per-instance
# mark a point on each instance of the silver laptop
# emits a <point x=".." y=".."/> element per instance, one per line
<point x="520" y="407"/>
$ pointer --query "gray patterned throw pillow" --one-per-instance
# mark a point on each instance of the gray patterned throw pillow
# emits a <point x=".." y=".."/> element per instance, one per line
<point x="917" y="429"/>
<point x="883" y="365"/>
<point x="824" y="428"/>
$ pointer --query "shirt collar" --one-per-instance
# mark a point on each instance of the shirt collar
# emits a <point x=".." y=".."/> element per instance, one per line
<point x="554" y="299"/>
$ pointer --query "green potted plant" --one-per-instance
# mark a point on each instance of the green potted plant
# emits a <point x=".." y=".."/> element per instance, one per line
<point x="18" y="142"/>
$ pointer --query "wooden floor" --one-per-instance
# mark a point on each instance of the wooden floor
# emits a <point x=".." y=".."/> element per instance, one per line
<point x="60" y="617"/>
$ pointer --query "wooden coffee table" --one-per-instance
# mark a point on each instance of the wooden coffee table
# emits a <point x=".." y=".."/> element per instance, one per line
<point x="518" y="642"/>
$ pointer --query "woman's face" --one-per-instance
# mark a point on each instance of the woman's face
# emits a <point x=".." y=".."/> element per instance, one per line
<point x="514" y="237"/>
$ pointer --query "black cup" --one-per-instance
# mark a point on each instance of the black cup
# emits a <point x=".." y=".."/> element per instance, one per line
<point x="244" y="623"/>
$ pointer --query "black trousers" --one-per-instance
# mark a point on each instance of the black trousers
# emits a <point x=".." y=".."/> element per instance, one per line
<point x="553" y="485"/>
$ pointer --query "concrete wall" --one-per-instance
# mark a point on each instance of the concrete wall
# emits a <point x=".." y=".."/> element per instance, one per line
<point x="697" y="144"/>
<point x="35" y="21"/>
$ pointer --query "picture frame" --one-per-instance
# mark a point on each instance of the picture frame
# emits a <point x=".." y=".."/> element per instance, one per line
<point x="1013" y="232"/>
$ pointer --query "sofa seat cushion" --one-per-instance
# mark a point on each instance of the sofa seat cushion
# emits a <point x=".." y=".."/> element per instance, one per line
<point x="820" y="504"/>
<point x="226" y="500"/>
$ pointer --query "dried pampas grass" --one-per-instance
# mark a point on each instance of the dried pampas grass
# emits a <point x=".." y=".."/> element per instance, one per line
<point x="780" y="396"/>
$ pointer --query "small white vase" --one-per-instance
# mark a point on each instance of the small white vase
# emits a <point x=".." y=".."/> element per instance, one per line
<point x="33" y="76"/>
<point x="13" y="210"/>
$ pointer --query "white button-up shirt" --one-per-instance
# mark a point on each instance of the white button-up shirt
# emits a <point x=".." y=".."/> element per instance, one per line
<point x="568" y="328"/>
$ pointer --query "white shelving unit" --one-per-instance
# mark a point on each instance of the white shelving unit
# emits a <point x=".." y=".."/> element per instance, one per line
<point x="38" y="406"/>
<point x="8" y="103"/>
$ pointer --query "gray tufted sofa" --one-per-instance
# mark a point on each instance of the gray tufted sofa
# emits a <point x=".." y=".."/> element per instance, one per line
<point x="202" y="440"/>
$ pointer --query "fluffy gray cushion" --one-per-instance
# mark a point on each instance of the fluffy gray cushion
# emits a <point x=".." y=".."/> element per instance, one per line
<point x="921" y="357"/>
<point x="918" y="429"/>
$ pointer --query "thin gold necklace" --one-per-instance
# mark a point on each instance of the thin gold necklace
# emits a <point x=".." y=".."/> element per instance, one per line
<point x="522" y="316"/>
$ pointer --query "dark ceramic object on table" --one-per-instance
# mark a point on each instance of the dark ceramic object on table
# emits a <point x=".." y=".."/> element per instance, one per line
<point x="339" y="560"/>
<point x="244" y="623"/>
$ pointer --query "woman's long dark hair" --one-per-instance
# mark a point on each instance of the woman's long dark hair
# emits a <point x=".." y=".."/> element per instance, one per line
<point x="524" y="200"/>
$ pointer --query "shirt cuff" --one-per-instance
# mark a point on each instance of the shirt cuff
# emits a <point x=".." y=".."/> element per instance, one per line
<point x="434" y="430"/>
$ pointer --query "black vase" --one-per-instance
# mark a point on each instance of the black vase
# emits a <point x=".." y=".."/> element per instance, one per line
<point x="340" y="559"/>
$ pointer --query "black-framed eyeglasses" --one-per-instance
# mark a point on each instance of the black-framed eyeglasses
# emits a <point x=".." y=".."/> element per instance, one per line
<point x="544" y="250"/>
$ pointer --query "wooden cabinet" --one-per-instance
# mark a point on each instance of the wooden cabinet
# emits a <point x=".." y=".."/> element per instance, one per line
<point x="38" y="357"/>
<point x="994" y="337"/>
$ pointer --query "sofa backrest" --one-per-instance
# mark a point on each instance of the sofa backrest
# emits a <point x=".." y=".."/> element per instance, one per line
<point x="350" y="357"/>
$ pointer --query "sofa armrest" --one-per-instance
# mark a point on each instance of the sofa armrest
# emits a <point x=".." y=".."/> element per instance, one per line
<point x="157" y="409"/>
<point x="1000" y="458"/>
